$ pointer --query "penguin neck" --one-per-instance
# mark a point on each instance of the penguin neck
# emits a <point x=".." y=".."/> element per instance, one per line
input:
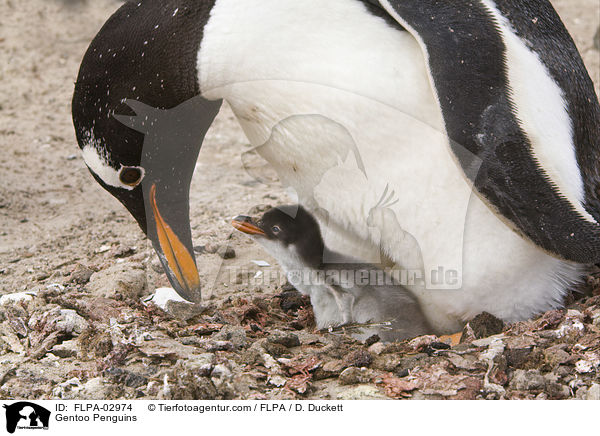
<point x="299" y="269"/>
<point x="309" y="254"/>
<point x="293" y="258"/>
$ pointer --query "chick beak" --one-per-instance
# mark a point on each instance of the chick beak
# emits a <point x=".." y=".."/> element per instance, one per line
<point x="246" y="224"/>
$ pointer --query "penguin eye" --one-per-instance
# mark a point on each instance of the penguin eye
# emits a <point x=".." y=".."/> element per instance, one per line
<point x="131" y="176"/>
<point x="276" y="230"/>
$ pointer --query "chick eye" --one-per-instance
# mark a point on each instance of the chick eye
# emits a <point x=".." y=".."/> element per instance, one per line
<point x="275" y="230"/>
<point x="131" y="176"/>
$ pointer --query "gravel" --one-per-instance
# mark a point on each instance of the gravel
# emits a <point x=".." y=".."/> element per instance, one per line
<point x="83" y="331"/>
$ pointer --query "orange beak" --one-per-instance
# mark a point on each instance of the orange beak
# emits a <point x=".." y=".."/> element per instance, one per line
<point x="245" y="225"/>
<point x="180" y="261"/>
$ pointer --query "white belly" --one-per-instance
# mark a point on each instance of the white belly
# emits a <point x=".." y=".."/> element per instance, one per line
<point x="320" y="87"/>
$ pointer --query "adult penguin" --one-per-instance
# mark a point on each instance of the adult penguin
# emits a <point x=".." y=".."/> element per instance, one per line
<point x="441" y="100"/>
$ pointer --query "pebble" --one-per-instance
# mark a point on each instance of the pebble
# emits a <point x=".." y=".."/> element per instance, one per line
<point x="557" y="391"/>
<point x="65" y="350"/>
<point x="220" y="375"/>
<point x="486" y="342"/>
<point x="593" y="393"/>
<point x="17" y="297"/>
<point x="71" y="322"/>
<point x="202" y="364"/>
<point x="565" y="373"/>
<point x="212" y="346"/>
<point x="172" y="303"/>
<point x="402" y="373"/>
<point x="421" y="342"/>
<point x="377" y="348"/>
<point x="12" y="343"/>
<point x="40" y="277"/>
<point x="287" y="339"/>
<point x="270" y="363"/>
<point x="584" y="366"/>
<point x="184" y="311"/>
<point x="127" y="279"/>
<point x="596" y="318"/>
<point x="65" y="321"/>
<point x="308" y="338"/>
<point x="359" y="358"/>
<point x="556" y="355"/>
<point x="95" y="389"/>
<point x="236" y="335"/>
<point x="153" y="389"/>
<point x="211" y="248"/>
<point x="122" y="251"/>
<point x="276" y="350"/>
<point x="162" y="296"/>
<point x="386" y="362"/>
<point x="103" y="249"/>
<point x="465" y="362"/>
<point x="226" y="252"/>
<point x="410" y="362"/>
<point x="353" y="376"/>
<point x="277" y="380"/>
<point x="581" y="393"/>
<point x="527" y="380"/>
<point x="125" y="377"/>
<point x="517" y="357"/>
<point x="81" y="275"/>
<point x="571" y="327"/>
<point x="66" y="389"/>
<point x="55" y="287"/>
<point x="362" y="392"/>
<point x="333" y="367"/>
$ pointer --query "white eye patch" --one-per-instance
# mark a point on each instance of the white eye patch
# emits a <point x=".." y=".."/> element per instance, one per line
<point x="109" y="175"/>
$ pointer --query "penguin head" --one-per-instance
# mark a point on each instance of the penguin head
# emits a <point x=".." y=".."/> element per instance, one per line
<point x="140" y="122"/>
<point x="285" y="231"/>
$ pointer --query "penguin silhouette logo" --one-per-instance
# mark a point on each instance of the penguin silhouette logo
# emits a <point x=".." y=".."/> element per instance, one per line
<point x="25" y="415"/>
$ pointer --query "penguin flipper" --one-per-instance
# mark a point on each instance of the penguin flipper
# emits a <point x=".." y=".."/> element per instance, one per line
<point x="468" y="47"/>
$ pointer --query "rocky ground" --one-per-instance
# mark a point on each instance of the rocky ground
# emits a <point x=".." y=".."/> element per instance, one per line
<point x="77" y="275"/>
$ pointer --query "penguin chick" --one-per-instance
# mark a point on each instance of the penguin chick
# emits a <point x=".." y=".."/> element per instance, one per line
<point x="341" y="293"/>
